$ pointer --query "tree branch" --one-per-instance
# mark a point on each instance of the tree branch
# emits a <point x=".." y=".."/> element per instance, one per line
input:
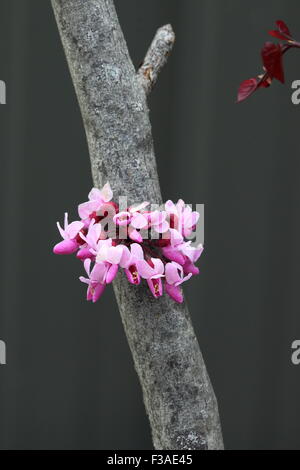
<point x="156" y="57"/>
<point x="178" y="396"/>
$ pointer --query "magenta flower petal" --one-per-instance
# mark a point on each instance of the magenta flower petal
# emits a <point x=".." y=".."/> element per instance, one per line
<point x="66" y="247"/>
<point x="174" y="292"/>
<point x="111" y="273"/>
<point x="84" y="253"/>
<point x="97" y="292"/>
<point x="135" y="235"/>
<point x="156" y="287"/>
<point x="173" y="255"/>
<point x="189" y="267"/>
<point x="89" y="293"/>
<point x="133" y="275"/>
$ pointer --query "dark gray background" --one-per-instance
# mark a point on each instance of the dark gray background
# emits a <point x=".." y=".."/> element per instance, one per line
<point x="69" y="382"/>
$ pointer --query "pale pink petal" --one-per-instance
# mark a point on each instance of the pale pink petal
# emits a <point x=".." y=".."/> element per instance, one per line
<point x="180" y="205"/>
<point x="125" y="258"/>
<point x="73" y="229"/>
<point x="139" y="207"/>
<point x="170" y="207"/>
<point x="85" y="209"/>
<point x="66" y="223"/>
<point x="137" y="251"/>
<point x="193" y="253"/>
<point x="114" y="254"/>
<point x="176" y="237"/>
<point x="172" y="275"/>
<point x="158" y="266"/>
<point x="111" y="273"/>
<point x="84" y="279"/>
<point x="98" y="272"/>
<point x="144" y="269"/>
<point x="183" y="279"/>
<point x="94" y="234"/>
<point x="163" y="227"/>
<point x="86" y="238"/>
<point x="139" y="221"/>
<point x="106" y="193"/>
<point x="154" y="217"/>
<point x="122" y="218"/>
<point x="198" y="252"/>
<point x="87" y="266"/>
<point x="95" y="194"/>
<point x="61" y="231"/>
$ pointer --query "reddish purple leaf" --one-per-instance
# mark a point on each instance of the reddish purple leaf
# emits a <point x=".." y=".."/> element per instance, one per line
<point x="283" y="28"/>
<point x="246" y="88"/>
<point x="278" y="35"/>
<point x="272" y="60"/>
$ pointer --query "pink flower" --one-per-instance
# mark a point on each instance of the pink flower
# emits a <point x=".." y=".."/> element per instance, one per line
<point x="121" y="240"/>
<point x="172" y="251"/>
<point x="132" y="216"/>
<point x="189" y="267"/>
<point x="95" y="281"/>
<point x="69" y="233"/>
<point x="135" y="219"/>
<point x="193" y="253"/>
<point x="157" y="220"/>
<point x="97" y="197"/>
<point x="138" y="220"/>
<point x="129" y="261"/>
<point x="109" y="255"/>
<point x="182" y="218"/>
<point x="174" y="274"/>
<point x="93" y="235"/>
<point x="84" y="252"/>
<point x="175" y="277"/>
<point x="174" y="292"/>
<point x="152" y="270"/>
<point x="173" y="254"/>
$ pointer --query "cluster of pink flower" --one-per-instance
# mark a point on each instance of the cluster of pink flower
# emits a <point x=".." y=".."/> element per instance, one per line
<point x="146" y="244"/>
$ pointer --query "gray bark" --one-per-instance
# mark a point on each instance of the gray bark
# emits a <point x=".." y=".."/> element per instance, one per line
<point x="156" y="57"/>
<point x="177" y="392"/>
